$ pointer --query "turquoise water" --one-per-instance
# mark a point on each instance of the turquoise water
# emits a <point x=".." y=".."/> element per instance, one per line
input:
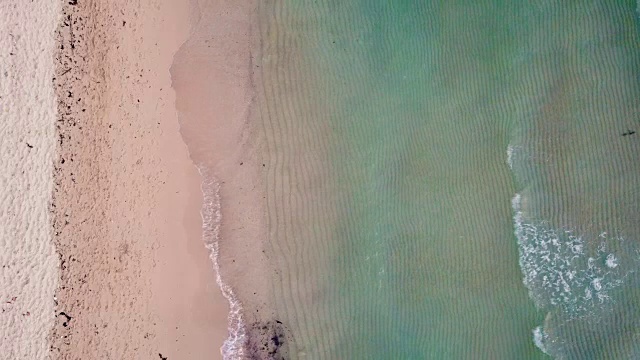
<point x="391" y="227"/>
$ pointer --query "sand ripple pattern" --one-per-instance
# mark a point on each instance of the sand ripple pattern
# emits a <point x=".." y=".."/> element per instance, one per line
<point x="560" y="273"/>
<point x="390" y="226"/>
<point x="574" y="156"/>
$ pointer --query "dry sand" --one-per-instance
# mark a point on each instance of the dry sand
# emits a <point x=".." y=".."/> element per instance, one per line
<point x="28" y="263"/>
<point x="135" y="279"/>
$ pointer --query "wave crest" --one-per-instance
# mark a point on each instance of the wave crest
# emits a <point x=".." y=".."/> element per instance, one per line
<point x="562" y="269"/>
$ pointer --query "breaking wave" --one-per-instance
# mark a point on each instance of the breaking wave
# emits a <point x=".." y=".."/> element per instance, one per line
<point x="576" y="278"/>
<point x="561" y="269"/>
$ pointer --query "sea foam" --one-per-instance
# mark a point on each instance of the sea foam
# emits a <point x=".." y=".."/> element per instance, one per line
<point x="561" y="270"/>
<point x="539" y="338"/>
<point x="570" y="275"/>
<point x="234" y="345"/>
<point x="510" y="154"/>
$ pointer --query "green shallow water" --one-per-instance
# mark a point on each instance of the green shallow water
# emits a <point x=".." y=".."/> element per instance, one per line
<point x="578" y="177"/>
<point x="387" y="124"/>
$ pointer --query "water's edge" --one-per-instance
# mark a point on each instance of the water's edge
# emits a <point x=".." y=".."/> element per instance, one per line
<point x="214" y="129"/>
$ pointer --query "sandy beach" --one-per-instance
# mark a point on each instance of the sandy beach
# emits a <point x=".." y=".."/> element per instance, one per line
<point x="219" y="118"/>
<point x="135" y="276"/>
<point x="121" y="270"/>
<point x="28" y="261"/>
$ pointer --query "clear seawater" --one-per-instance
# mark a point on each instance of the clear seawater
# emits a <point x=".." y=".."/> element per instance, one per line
<point x="449" y="179"/>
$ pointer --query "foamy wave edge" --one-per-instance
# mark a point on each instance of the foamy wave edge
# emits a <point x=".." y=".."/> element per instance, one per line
<point x="538" y="335"/>
<point x="234" y="346"/>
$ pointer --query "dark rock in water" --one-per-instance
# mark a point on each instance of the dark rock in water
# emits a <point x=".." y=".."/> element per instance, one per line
<point x="268" y="341"/>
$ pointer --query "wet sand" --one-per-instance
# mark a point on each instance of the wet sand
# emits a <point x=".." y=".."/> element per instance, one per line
<point x="214" y="73"/>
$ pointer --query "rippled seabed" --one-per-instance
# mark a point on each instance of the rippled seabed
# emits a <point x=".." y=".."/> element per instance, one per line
<point x="391" y="190"/>
<point x="575" y="160"/>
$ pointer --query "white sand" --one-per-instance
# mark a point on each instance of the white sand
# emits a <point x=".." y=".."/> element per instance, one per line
<point x="28" y="273"/>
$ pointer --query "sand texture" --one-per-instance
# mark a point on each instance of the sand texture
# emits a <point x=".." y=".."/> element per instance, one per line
<point x="27" y="258"/>
<point x="135" y="279"/>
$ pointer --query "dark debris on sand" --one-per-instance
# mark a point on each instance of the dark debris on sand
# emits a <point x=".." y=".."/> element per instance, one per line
<point x="268" y="341"/>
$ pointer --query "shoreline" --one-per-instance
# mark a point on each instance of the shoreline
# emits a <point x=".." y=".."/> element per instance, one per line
<point x="135" y="277"/>
<point x="218" y="106"/>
